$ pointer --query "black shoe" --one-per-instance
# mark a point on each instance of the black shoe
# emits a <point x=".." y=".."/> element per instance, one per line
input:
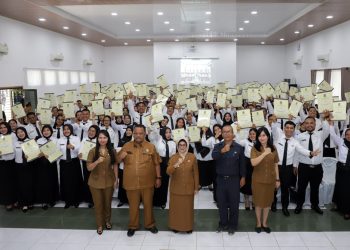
<point x="273" y="208"/>
<point x="45" y="207"/>
<point x="90" y="205"/>
<point x="258" y="229"/>
<point x="31" y="207"/>
<point x="24" y="209"/>
<point x="231" y="231"/>
<point x="266" y="229"/>
<point x="189" y="232"/>
<point x="221" y="229"/>
<point x="247" y="208"/>
<point x="131" y="232"/>
<point x="317" y="209"/>
<point x="153" y="229"/>
<point x="9" y="208"/>
<point x="285" y="212"/>
<point x="66" y="206"/>
<point x="76" y="205"/>
<point x="175" y="231"/>
<point x="108" y="226"/>
<point x="298" y="210"/>
<point x="120" y="204"/>
<point x="162" y="206"/>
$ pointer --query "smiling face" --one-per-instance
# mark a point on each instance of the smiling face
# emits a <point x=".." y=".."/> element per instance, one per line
<point x="20" y="134"/>
<point x="102" y="139"/>
<point x="46" y="132"/>
<point x="252" y="135"/>
<point x="310" y="124"/>
<point x="289" y="130"/>
<point x="3" y="129"/>
<point x="139" y="135"/>
<point x="66" y="131"/>
<point x="263" y="138"/>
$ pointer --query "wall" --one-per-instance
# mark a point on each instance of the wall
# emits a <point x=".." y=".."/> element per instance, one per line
<point x="126" y="63"/>
<point x="334" y="40"/>
<point x="261" y="63"/>
<point x="30" y="46"/>
<point x="223" y="69"/>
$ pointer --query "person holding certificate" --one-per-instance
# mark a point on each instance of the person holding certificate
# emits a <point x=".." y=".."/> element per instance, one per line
<point x="25" y="172"/>
<point x="184" y="184"/>
<point x="106" y="125"/>
<point x="8" y="187"/>
<point x="166" y="148"/>
<point x="86" y="194"/>
<point x="58" y="127"/>
<point x="103" y="180"/>
<point x="70" y="170"/>
<point x="46" y="184"/>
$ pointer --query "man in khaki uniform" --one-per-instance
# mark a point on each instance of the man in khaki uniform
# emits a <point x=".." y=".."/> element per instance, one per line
<point x="141" y="175"/>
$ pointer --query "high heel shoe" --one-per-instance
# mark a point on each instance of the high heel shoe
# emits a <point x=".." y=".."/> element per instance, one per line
<point x="25" y="209"/>
<point x="99" y="230"/>
<point x="108" y="226"/>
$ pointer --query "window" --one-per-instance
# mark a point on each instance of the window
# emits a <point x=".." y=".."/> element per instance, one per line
<point x="63" y="77"/>
<point x="50" y="77"/>
<point x="83" y="77"/>
<point x="319" y="76"/>
<point x="33" y="78"/>
<point x="196" y="71"/>
<point x="92" y="77"/>
<point x="74" y="77"/>
<point x="336" y="82"/>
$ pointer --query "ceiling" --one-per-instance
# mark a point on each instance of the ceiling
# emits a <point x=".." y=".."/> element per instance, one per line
<point x="276" y="21"/>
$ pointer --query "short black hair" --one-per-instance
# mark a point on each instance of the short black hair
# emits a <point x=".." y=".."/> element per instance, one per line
<point x="309" y="117"/>
<point x="289" y="123"/>
<point x="30" y="113"/>
<point x="140" y="126"/>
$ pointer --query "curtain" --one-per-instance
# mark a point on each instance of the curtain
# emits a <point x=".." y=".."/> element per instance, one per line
<point x="327" y="75"/>
<point x="313" y="76"/>
<point x="345" y="80"/>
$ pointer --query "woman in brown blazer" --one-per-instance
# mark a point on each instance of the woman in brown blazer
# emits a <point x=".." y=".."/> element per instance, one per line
<point x="265" y="180"/>
<point x="184" y="184"/>
<point x="103" y="179"/>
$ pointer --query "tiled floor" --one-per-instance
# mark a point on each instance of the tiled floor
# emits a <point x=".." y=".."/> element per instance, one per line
<point x="164" y="240"/>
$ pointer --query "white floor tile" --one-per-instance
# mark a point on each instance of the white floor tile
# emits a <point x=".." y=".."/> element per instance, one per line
<point x="238" y="248"/>
<point x="135" y="240"/>
<point x="315" y="239"/>
<point x="80" y="236"/>
<point x="285" y="239"/>
<point x="182" y="240"/>
<point x="265" y="248"/>
<point x="161" y="238"/>
<point x="17" y="246"/>
<point x="54" y="236"/>
<point x="238" y="239"/>
<point x="100" y="247"/>
<point x="45" y="246"/>
<point x="117" y="247"/>
<point x="72" y="246"/>
<point x="107" y="237"/>
<point x="262" y="239"/>
<point x="155" y="247"/>
<point x="339" y="239"/>
<point x="209" y="239"/>
<point x="171" y="247"/>
<point x="293" y="248"/>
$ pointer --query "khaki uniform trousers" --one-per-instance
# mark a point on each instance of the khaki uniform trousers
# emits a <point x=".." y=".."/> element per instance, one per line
<point x="135" y="197"/>
<point x="102" y="198"/>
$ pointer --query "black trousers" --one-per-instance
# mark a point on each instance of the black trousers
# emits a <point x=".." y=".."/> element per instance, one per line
<point x="121" y="191"/>
<point x="160" y="195"/>
<point x="227" y="194"/>
<point x="286" y="176"/>
<point x="306" y="175"/>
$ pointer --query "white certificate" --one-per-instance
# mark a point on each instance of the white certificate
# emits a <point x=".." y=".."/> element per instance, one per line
<point x="110" y="92"/>
<point x="194" y="134"/>
<point x="60" y="99"/>
<point x="191" y="104"/>
<point x="210" y="97"/>
<point x="284" y="86"/>
<point x="325" y="86"/>
<point x="204" y="118"/>
<point x="258" y="118"/>
<point x="157" y="112"/>
<point x="68" y="109"/>
<point x="253" y="95"/>
<point x="82" y="88"/>
<point x="221" y="100"/>
<point x="222" y="87"/>
<point x="244" y="118"/>
<point x="306" y="93"/>
<point x="97" y="107"/>
<point x="52" y="98"/>
<point x="86" y="98"/>
<point x="117" y="107"/>
<point x="1" y="117"/>
<point x="141" y="90"/>
<point x="31" y="150"/>
<point x="162" y="99"/>
<point x="129" y="87"/>
<point x="178" y="134"/>
<point x="18" y="111"/>
<point x="119" y="95"/>
<point x="43" y="103"/>
<point x="293" y="91"/>
<point x="232" y="91"/>
<point x="314" y="88"/>
<point x="162" y="81"/>
<point x="6" y="144"/>
<point x="51" y="150"/>
<point x="281" y="108"/>
<point x="100" y="96"/>
<point x="237" y="101"/>
<point x="85" y="149"/>
<point x="95" y="87"/>
<point x="245" y="94"/>
<point x="45" y="116"/>
<point x="181" y="97"/>
<point x="294" y="108"/>
<point x="347" y="96"/>
<point x="339" y="111"/>
<point x="325" y="101"/>
<point x="70" y="95"/>
<point x="148" y="121"/>
<point x="108" y="112"/>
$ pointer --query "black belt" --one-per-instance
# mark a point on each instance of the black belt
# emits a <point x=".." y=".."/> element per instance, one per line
<point x="310" y="165"/>
<point x="290" y="165"/>
<point x="340" y="164"/>
<point x="225" y="177"/>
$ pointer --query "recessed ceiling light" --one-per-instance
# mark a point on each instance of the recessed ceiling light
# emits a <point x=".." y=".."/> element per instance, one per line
<point x="166" y="22"/>
<point x="41" y="19"/>
<point x="262" y="43"/>
<point x="160" y="13"/>
<point x="246" y="21"/>
<point x="171" y="29"/>
<point x="137" y="30"/>
<point x="208" y="12"/>
<point x="65" y="27"/>
<point x="207" y="40"/>
<point x="310" y="25"/>
<point x="83" y="34"/>
<point x="125" y="44"/>
<point x="241" y="29"/>
<point x="329" y="17"/>
<point x="176" y="40"/>
<point x="114" y="14"/>
<point x="148" y="40"/>
<point x="281" y="39"/>
<point x="207" y="22"/>
<point x="235" y="40"/>
<point x="207" y="29"/>
<point x="103" y="41"/>
<point x="254" y="12"/>
<point x="127" y="22"/>
<point x="297" y="32"/>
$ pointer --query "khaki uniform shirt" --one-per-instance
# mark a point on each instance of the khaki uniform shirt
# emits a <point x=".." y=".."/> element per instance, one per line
<point x="265" y="171"/>
<point x="102" y="176"/>
<point x="139" y="165"/>
<point x="184" y="179"/>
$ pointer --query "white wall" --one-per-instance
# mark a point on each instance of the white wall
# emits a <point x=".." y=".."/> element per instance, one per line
<point x="223" y="69"/>
<point x="335" y="39"/>
<point x="126" y="63"/>
<point x="31" y="47"/>
<point x="261" y="63"/>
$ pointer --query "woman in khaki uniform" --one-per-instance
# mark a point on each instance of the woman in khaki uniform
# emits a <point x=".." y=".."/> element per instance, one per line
<point x="264" y="159"/>
<point x="103" y="179"/>
<point x="184" y="184"/>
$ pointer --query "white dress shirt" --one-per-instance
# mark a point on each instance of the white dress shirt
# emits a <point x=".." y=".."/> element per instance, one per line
<point x="82" y="127"/>
<point x="18" y="151"/>
<point x="11" y="156"/>
<point x="342" y="148"/>
<point x="136" y="115"/>
<point x="62" y="145"/>
<point x="248" y="145"/>
<point x="31" y="130"/>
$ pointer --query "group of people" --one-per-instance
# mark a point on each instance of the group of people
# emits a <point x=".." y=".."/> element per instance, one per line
<point x="141" y="161"/>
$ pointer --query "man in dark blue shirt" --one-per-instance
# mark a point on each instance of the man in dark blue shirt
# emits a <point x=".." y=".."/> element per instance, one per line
<point x="230" y="170"/>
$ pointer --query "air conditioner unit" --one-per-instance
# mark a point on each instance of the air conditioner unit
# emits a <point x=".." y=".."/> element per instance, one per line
<point x="57" y="57"/>
<point x="3" y="48"/>
<point x="297" y="61"/>
<point x="87" y="62"/>
<point x="323" y="58"/>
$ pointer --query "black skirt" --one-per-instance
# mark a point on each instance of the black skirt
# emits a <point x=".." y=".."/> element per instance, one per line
<point x="121" y="191"/>
<point x="71" y="181"/>
<point x="160" y="196"/>
<point x="45" y="185"/>
<point x="8" y="187"/>
<point x="341" y="196"/>
<point x="247" y="188"/>
<point x="86" y="194"/>
<point x="206" y="172"/>
<point x="26" y="183"/>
